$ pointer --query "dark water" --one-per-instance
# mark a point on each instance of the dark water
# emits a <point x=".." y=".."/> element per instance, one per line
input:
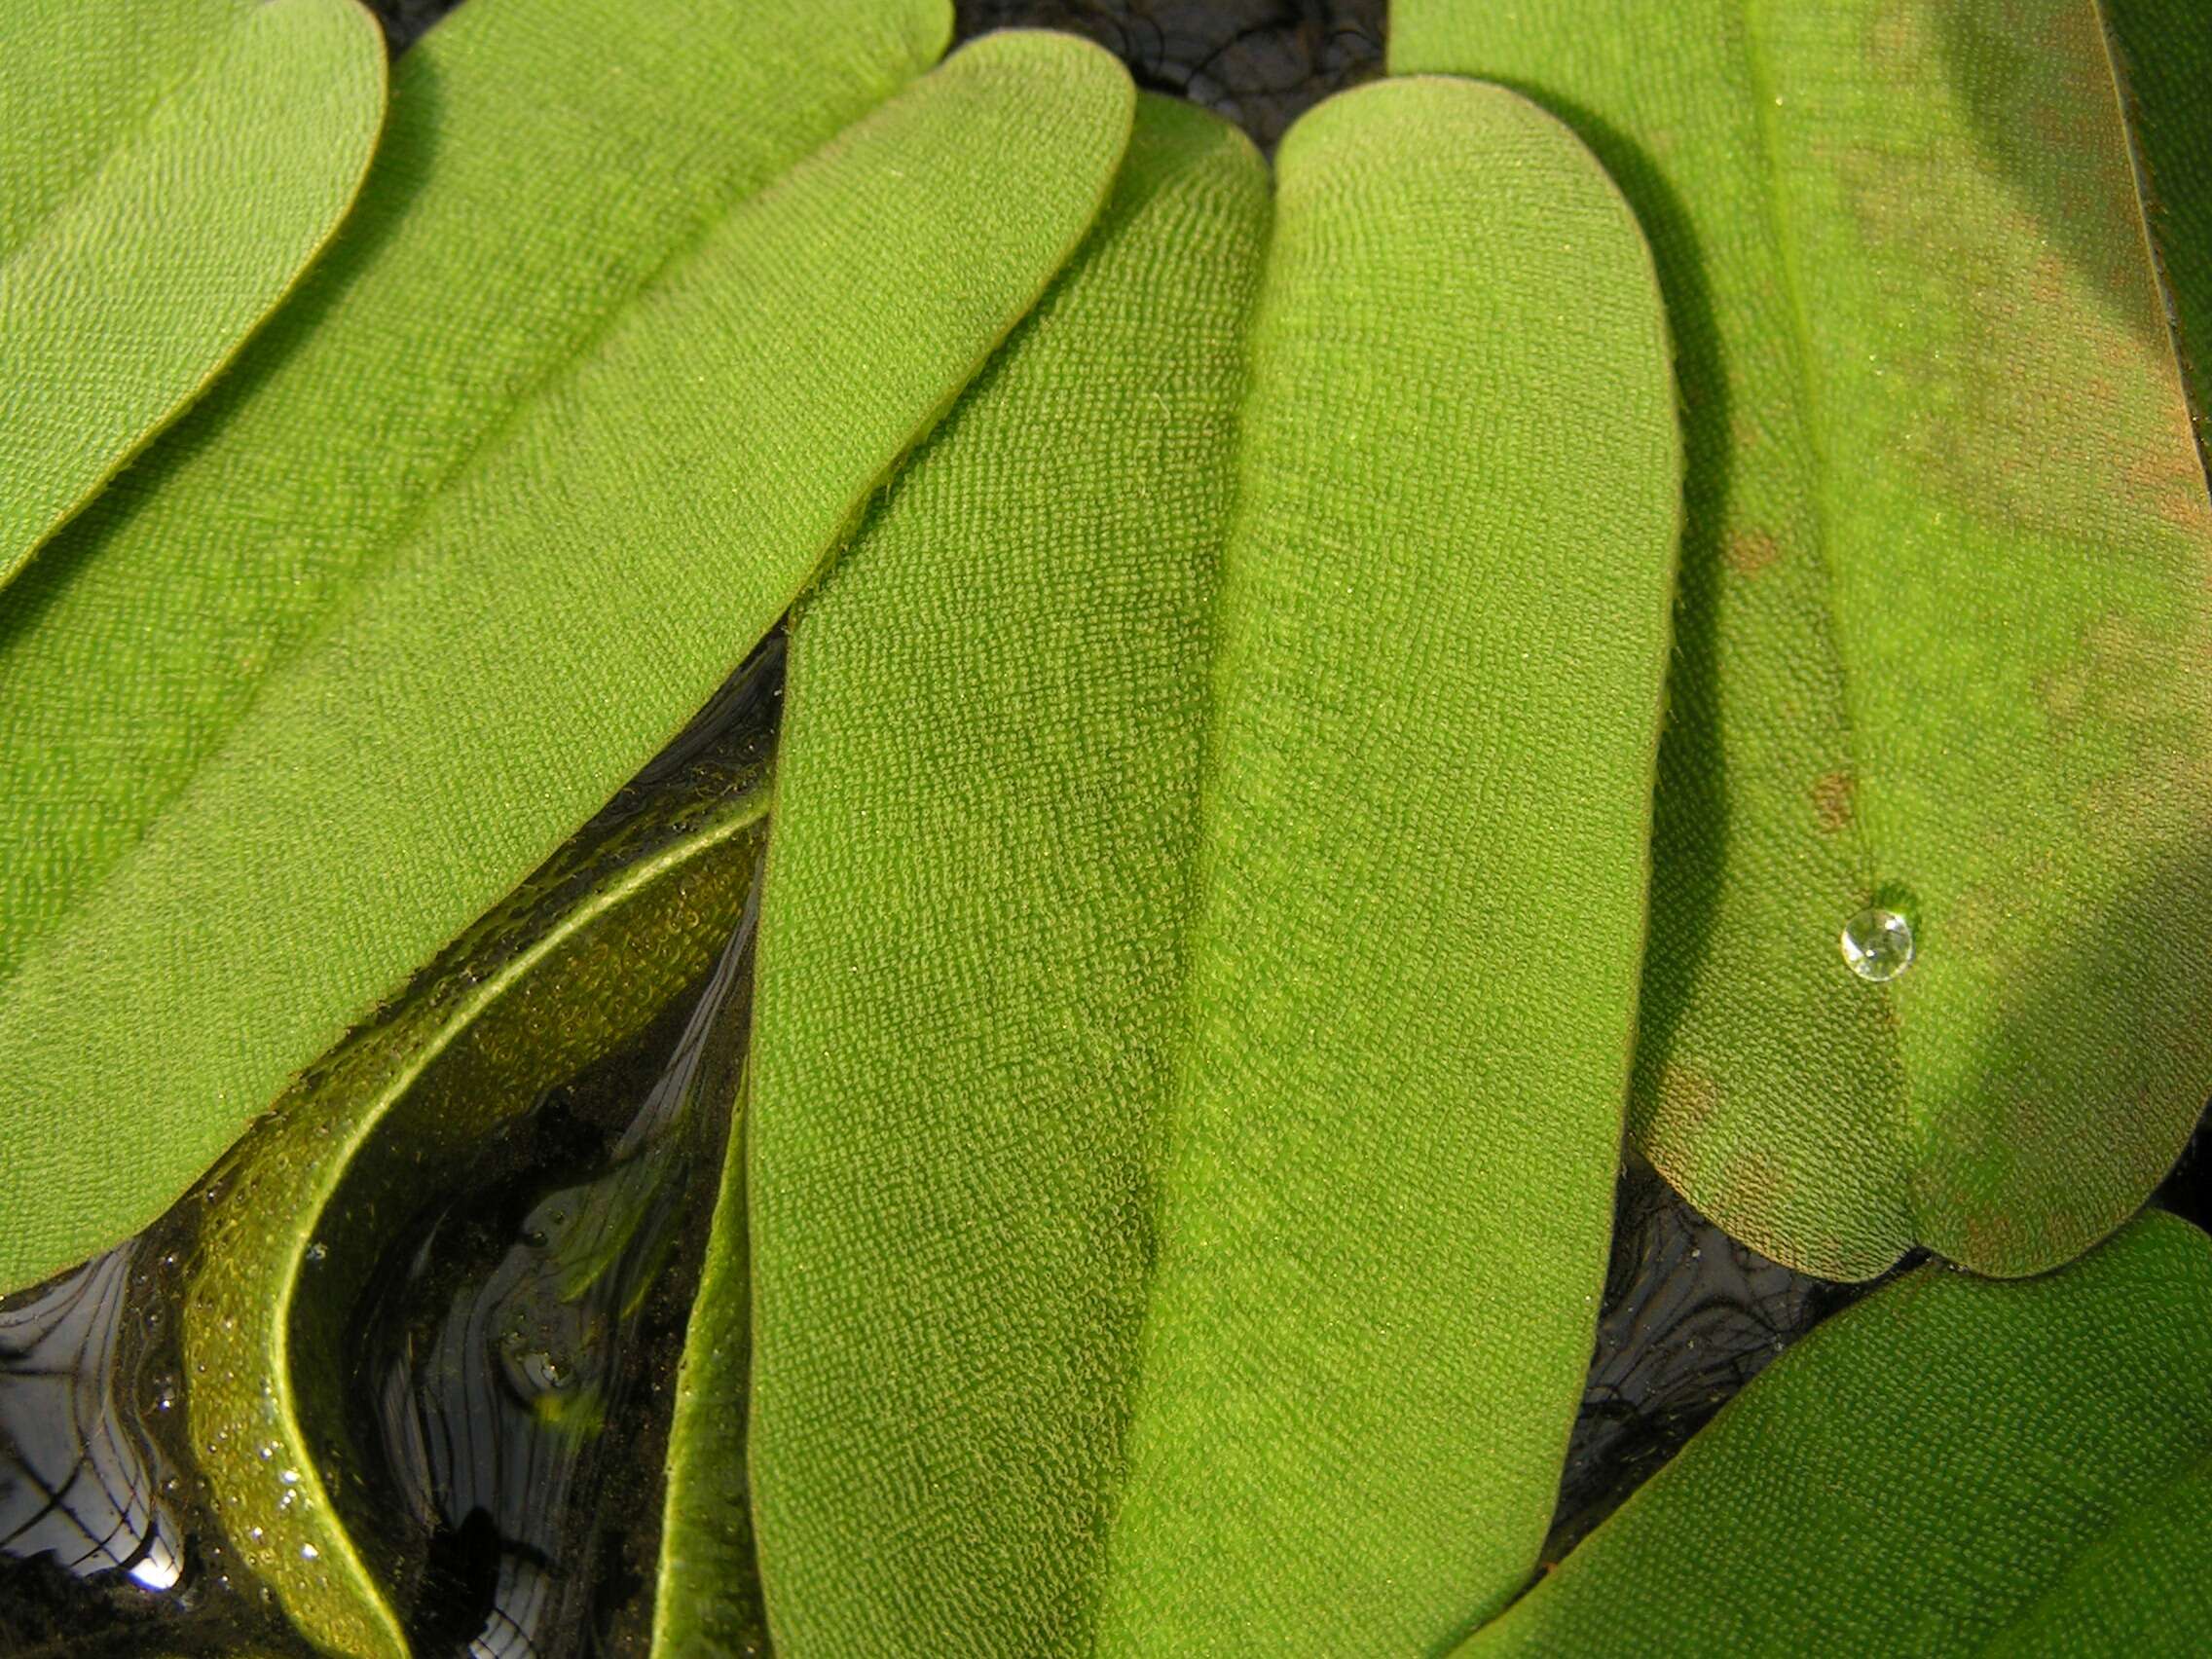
<point x="509" y="1380"/>
<point x="510" y="1383"/>
<point x="1689" y="1316"/>
<point x="1257" y="63"/>
<point x="516" y="1360"/>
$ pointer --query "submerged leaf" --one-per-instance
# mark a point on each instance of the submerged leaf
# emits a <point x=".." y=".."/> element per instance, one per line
<point x="1199" y="940"/>
<point x="1955" y="1466"/>
<point x="1945" y="629"/>
<point x="576" y="964"/>
<point x="481" y="521"/>
<point x="165" y="174"/>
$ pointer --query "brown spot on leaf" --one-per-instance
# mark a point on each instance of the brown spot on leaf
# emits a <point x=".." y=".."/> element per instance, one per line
<point x="1832" y="800"/>
<point x="1688" y="1100"/>
<point x="1751" y="551"/>
<point x="1992" y="1235"/>
<point x="2171" y="482"/>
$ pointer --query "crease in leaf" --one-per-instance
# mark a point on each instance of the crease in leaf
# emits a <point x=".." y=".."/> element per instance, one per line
<point x="427" y="654"/>
<point x="1198" y="942"/>
<point x="1943" y="628"/>
<point x="707" y="1596"/>
<point x="1954" y="1466"/>
<point x="166" y="173"/>
<point x="574" y="965"/>
<point x="2164" y="58"/>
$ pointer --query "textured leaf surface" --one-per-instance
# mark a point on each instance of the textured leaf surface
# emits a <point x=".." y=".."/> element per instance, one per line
<point x="1956" y="1465"/>
<point x="165" y="174"/>
<point x="1253" y="643"/>
<point x="577" y="962"/>
<point x="2165" y="57"/>
<point x="489" y="513"/>
<point x="1944" y="621"/>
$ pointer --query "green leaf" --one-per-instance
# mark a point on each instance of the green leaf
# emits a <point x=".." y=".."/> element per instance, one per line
<point x="486" y="515"/>
<point x="1955" y="1466"/>
<point x="1944" y="623"/>
<point x="575" y="965"/>
<point x="165" y="174"/>
<point x="707" y="1596"/>
<point x="2165" y="58"/>
<point x="1198" y="948"/>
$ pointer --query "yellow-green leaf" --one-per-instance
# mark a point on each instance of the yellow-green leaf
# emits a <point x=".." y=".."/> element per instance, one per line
<point x="541" y="452"/>
<point x="577" y="962"/>
<point x="1198" y="947"/>
<point x="1945" y="633"/>
<point x="166" y="172"/>
<point x="1953" y="1466"/>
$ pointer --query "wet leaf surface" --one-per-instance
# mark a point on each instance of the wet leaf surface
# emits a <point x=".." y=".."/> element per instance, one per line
<point x="573" y="968"/>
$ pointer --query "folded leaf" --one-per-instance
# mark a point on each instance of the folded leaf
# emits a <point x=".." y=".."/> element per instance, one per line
<point x="165" y="174"/>
<point x="1955" y="1466"/>
<point x="1944" y="626"/>
<point x="1199" y="945"/>
<point x="707" y="1595"/>
<point x="289" y="715"/>
<point x="569" y="970"/>
<point x="2164" y="51"/>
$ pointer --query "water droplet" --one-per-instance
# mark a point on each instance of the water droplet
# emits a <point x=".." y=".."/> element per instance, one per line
<point x="308" y="1552"/>
<point x="290" y="1477"/>
<point x="1877" y="945"/>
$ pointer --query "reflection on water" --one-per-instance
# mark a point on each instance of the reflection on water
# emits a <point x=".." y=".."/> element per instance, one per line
<point x="80" y="1480"/>
<point x="500" y="1355"/>
<point x="511" y="1370"/>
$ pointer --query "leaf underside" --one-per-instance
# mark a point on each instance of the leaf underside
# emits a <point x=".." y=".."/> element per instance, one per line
<point x="1955" y="1466"/>
<point x="1302" y="680"/>
<point x="165" y="174"/>
<point x="1944" y="625"/>
<point x="527" y="468"/>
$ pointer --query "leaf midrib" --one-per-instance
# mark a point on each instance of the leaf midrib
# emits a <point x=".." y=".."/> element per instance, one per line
<point x="132" y="134"/>
<point x="1759" y="72"/>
